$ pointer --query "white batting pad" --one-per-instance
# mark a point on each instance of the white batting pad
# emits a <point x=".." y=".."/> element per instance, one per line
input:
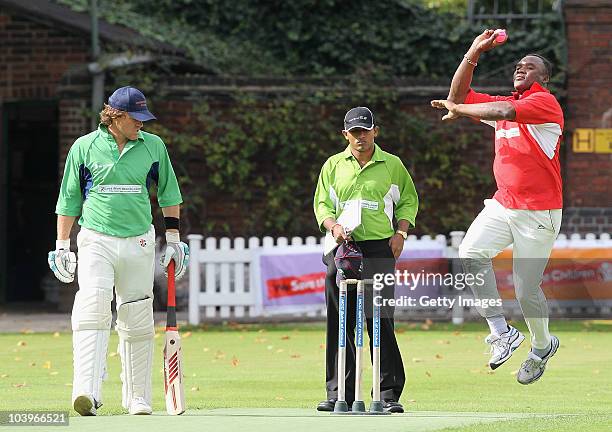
<point x="89" y="347"/>
<point x="91" y="321"/>
<point x="136" y="332"/>
<point x="92" y="309"/>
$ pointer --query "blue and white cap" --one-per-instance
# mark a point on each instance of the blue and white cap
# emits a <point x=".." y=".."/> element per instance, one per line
<point x="359" y="117"/>
<point x="132" y="101"/>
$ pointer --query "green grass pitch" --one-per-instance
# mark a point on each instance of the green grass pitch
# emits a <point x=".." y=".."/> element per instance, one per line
<point x="266" y="377"/>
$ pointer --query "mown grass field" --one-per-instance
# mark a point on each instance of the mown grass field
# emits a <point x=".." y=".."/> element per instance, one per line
<point x="262" y="377"/>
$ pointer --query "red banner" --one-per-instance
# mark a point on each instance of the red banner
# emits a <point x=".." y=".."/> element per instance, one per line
<point x="296" y="285"/>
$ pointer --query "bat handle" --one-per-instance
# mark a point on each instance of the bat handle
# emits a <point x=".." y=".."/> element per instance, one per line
<point x="171" y="312"/>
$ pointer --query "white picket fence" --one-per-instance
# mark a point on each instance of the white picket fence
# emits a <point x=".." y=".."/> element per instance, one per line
<point x="222" y="282"/>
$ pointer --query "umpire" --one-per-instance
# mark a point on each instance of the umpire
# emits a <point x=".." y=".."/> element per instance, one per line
<point x="380" y="185"/>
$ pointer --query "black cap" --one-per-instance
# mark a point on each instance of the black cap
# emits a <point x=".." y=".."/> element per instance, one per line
<point x="359" y="117"/>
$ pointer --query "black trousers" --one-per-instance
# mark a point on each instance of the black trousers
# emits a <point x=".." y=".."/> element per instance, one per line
<point x="378" y="258"/>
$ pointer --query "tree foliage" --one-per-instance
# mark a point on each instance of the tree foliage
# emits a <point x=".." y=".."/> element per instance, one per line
<point x="327" y="37"/>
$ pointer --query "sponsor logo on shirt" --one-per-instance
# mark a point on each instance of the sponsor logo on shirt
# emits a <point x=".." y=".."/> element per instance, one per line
<point x="365" y="204"/>
<point x="507" y="133"/>
<point x="120" y="189"/>
<point x="142" y="242"/>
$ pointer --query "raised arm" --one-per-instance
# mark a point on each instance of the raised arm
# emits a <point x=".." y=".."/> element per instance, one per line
<point x="460" y="85"/>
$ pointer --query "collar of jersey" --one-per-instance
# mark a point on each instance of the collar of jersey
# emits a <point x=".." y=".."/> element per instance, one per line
<point x="376" y="157"/>
<point x="535" y="87"/>
<point x="108" y="137"/>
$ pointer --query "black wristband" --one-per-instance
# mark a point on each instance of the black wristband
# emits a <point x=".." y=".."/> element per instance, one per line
<point x="171" y="222"/>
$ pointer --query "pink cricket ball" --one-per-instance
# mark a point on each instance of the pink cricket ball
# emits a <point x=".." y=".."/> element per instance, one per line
<point x="501" y="36"/>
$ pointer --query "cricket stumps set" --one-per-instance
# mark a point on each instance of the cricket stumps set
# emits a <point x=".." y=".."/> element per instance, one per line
<point x="358" y="407"/>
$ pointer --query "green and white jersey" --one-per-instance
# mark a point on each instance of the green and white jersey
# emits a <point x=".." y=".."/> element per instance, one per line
<point x="111" y="191"/>
<point x="383" y="186"/>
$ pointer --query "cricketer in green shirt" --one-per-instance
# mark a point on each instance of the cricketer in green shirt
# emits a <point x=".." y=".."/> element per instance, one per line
<point x="383" y="186"/>
<point x="110" y="191"/>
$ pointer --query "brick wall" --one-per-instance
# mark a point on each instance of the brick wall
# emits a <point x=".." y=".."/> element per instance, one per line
<point x="588" y="179"/>
<point x="34" y="56"/>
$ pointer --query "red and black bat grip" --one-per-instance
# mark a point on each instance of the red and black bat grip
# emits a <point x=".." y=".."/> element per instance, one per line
<point x="171" y="307"/>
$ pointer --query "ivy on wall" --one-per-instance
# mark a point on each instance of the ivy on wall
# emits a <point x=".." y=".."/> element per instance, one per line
<point x="260" y="159"/>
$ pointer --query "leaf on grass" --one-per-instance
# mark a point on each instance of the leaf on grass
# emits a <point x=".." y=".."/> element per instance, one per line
<point x="193" y="374"/>
<point x="424" y="327"/>
<point x="21" y="343"/>
<point x="68" y="384"/>
<point x="438" y="356"/>
<point x="416" y="360"/>
<point x="260" y="340"/>
<point x="285" y="337"/>
<point x="400" y="330"/>
<point x="47" y="365"/>
<point x="596" y="371"/>
<point x="19" y="385"/>
<point x="33" y="364"/>
<point x="261" y="331"/>
<point x="27" y="331"/>
<point x="4" y="376"/>
<point x="428" y="322"/>
<point x="490" y="372"/>
<point x="270" y="347"/>
<point x="443" y="342"/>
<point x="235" y="361"/>
<point x="186" y="335"/>
<point x="157" y="335"/>
<point x="456" y="333"/>
<point x="279" y="398"/>
<point x="219" y="355"/>
<point x="17" y="359"/>
<point x="113" y="354"/>
<point x="295" y="356"/>
<point x="411" y="400"/>
<point x="514" y="373"/>
<point x="206" y="349"/>
<point x="280" y="350"/>
<point x="322" y="346"/>
<point x="53" y="373"/>
<point x="56" y="334"/>
<point x="195" y="388"/>
<point x="428" y="374"/>
<point x="412" y="326"/>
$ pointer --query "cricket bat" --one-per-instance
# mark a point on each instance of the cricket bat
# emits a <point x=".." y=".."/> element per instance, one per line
<point x="173" y="355"/>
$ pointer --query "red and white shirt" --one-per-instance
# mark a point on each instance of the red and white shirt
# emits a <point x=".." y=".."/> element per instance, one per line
<point x="526" y="166"/>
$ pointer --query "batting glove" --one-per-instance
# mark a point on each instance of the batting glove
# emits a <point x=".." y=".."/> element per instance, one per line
<point x="62" y="262"/>
<point x="178" y="251"/>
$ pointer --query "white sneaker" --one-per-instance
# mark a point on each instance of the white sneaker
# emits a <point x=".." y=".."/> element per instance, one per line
<point x="86" y="405"/>
<point x="533" y="368"/>
<point x="503" y="346"/>
<point x="140" y="407"/>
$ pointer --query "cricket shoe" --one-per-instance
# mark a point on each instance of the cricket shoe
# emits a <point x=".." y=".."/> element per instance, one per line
<point x="503" y="346"/>
<point x="86" y="405"/>
<point x="533" y="368"/>
<point x="140" y="407"/>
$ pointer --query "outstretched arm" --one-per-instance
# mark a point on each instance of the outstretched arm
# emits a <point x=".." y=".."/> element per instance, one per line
<point x="462" y="79"/>
<point x="482" y="111"/>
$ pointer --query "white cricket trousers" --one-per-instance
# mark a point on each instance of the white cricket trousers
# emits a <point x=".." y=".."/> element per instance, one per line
<point x="127" y="264"/>
<point x="106" y="262"/>
<point x="532" y="234"/>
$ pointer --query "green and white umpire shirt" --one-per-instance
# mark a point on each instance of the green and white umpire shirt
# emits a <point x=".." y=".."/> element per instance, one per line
<point x="383" y="187"/>
<point x="109" y="191"/>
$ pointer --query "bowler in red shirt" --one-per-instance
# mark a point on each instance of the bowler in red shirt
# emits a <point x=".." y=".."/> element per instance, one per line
<point x="525" y="211"/>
